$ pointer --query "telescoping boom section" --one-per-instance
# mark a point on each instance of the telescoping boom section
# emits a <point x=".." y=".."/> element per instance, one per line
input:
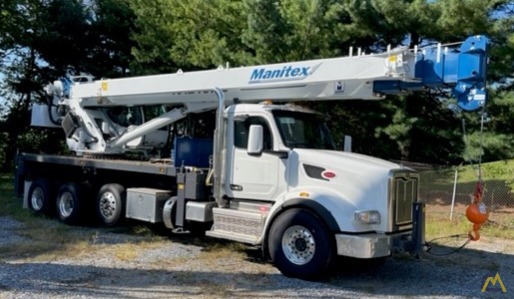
<point x="91" y="108"/>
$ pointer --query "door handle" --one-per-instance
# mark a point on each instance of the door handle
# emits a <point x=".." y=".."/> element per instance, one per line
<point x="236" y="187"/>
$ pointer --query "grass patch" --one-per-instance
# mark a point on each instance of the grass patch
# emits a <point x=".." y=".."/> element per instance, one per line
<point x="435" y="228"/>
<point x="437" y="190"/>
<point x="216" y="252"/>
<point x="9" y="204"/>
<point x="499" y="170"/>
<point x="130" y="251"/>
<point x="498" y="178"/>
<point x="438" y="225"/>
<point x="50" y="239"/>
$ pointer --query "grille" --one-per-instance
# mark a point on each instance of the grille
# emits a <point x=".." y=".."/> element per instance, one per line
<point x="405" y="193"/>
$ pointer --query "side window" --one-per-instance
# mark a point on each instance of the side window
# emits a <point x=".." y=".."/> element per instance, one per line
<point x="242" y="128"/>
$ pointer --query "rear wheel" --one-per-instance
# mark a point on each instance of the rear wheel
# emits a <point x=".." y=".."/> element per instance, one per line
<point x="40" y="196"/>
<point x="301" y="245"/>
<point x="69" y="203"/>
<point x="110" y="204"/>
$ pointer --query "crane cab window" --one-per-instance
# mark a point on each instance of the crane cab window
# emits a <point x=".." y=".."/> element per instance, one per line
<point x="242" y="128"/>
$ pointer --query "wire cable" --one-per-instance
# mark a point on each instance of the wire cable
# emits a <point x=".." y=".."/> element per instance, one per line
<point x="455" y="250"/>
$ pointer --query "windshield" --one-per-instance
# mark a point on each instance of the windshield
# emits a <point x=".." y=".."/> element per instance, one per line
<point x="303" y="130"/>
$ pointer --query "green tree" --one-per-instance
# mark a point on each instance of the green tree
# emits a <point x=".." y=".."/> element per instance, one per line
<point x="62" y="35"/>
<point x="42" y="39"/>
<point x="290" y="30"/>
<point x="420" y="22"/>
<point x="45" y="39"/>
<point x="497" y="140"/>
<point x="20" y="69"/>
<point x="110" y="49"/>
<point x="194" y="34"/>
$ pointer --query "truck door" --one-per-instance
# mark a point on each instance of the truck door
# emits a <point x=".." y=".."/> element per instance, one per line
<point x="253" y="176"/>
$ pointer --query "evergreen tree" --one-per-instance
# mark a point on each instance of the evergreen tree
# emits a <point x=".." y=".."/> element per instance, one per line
<point x="41" y="40"/>
<point x="190" y="35"/>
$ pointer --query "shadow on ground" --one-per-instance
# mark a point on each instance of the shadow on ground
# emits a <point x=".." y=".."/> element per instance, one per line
<point x="460" y="274"/>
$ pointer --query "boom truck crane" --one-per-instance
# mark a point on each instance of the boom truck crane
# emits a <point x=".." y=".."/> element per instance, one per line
<point x="270" y="176"/>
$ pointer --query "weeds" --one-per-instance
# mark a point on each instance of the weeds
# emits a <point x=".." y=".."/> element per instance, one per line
<point x="438" y="224"/>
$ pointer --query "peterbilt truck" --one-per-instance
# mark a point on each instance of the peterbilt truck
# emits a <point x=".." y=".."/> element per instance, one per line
<point x="265" y="171"/>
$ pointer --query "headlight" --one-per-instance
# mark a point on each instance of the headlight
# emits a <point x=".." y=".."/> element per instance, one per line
<point x="368" y="217"/>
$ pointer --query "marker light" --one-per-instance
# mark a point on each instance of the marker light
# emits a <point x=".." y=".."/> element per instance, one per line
<point x="327" y="174"/>
<point x="304" y="194"/>
<point x="368" y="217"/>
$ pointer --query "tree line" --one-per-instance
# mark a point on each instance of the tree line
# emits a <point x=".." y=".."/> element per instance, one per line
<point x="41" y="40"/>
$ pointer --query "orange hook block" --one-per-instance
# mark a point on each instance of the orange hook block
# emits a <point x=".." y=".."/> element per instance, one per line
<point x="477" y="213"/>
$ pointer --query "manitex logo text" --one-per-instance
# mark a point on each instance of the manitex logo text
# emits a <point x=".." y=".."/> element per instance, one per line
<point x="284" y="73"/>
<point x="490" y="283"/>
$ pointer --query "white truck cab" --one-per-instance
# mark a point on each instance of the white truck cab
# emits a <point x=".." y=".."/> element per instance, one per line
<point x="282" y="156"/>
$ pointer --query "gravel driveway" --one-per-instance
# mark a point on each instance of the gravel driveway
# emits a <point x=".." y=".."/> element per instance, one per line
<point x="177" y="268"/>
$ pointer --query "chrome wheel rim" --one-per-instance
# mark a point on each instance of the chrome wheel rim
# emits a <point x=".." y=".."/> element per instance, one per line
<point x="298" y="245"/>
<point x="107" y="205"/>
<point x="66" y="204"/>
<point x="37" y="199"/>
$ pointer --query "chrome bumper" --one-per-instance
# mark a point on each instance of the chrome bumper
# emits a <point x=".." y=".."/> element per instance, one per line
<point x="372" y="245"/>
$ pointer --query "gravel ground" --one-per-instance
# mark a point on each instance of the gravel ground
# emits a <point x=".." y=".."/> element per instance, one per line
<point x="176" y="269"/>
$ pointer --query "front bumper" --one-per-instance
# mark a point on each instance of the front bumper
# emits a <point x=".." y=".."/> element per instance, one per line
<point x="373" y="245"/>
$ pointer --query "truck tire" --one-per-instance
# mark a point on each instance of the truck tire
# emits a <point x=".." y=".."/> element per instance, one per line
<point x="69" y="203"/>
<point x="110" y="204"/>
<point x="300" y="245"/>
<point x="41" y="196"/>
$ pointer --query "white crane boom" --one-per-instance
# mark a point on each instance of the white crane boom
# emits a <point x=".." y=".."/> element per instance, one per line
<point x="323" y="79"/>
<point x="89" y="123"/>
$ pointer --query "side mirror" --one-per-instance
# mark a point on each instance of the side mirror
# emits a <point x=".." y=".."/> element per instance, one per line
<point x="255" y="140"/>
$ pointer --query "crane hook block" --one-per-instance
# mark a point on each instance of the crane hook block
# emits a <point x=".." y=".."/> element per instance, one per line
<point x="477" y="211"/>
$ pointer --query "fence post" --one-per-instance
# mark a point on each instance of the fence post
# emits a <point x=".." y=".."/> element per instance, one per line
<point x="453" y="196"/>
<point x="491" y="209"/>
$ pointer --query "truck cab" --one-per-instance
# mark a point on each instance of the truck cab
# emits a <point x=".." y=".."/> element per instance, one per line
<point x="285" y="183"/>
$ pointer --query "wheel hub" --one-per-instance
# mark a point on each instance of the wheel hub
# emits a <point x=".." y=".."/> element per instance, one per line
<point x="37" y="199"/>
<point x="298" y="245"/>
<point x="107" y="205"/>
<point x="66" y="204"/>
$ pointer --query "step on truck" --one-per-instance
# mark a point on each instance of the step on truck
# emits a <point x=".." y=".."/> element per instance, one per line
<point x="229" y="153"/>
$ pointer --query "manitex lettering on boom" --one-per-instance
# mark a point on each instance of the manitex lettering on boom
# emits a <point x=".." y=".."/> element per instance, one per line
<point x="284" y="73"/>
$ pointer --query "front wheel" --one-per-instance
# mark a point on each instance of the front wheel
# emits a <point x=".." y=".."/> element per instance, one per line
<point x="300" y="245"/>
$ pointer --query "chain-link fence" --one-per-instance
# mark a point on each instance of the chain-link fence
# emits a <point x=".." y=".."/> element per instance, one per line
<point x="449" y="191"/>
